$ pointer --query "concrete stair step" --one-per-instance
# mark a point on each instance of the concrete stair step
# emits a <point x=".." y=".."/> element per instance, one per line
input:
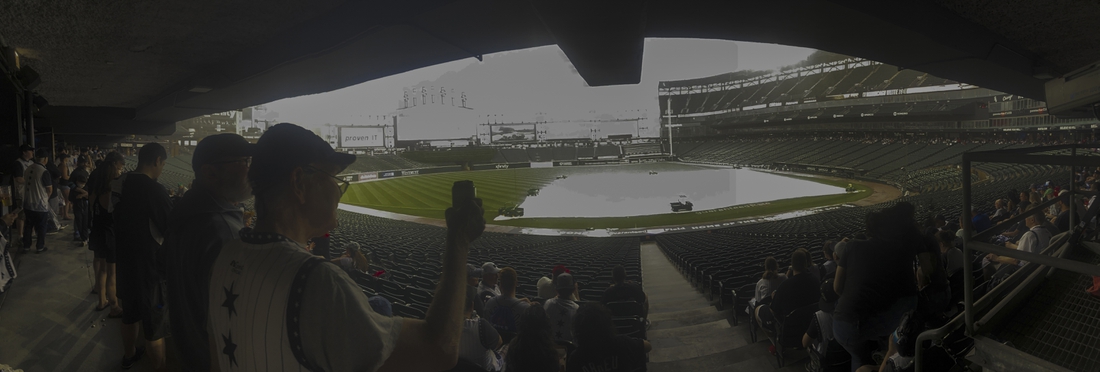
<point x="689" y="333"/>
<point x="696" y="345"/>
<point x="682" y="313"/>
<point x="688" y="319"/>
<point x="688" y="330"/>
<point x="679" y="305"/>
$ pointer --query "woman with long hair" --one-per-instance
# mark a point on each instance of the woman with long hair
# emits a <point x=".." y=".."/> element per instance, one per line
<point x="102" y="239"/>
<point x="533" y="348"/>
<point x="768" y="282"/>
<point x="598" y="346"/>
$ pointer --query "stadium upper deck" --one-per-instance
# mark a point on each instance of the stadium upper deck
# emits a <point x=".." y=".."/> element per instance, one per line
<point x="845" y="89"/>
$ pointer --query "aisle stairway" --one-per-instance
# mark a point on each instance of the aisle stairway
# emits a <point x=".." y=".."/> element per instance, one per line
<point x="689" y="334"/>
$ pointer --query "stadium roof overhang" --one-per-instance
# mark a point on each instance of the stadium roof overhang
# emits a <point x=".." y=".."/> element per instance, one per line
<point x="138" y="67"/>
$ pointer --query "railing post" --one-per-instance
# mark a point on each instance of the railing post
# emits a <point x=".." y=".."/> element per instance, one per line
<point x="1072" y="192"/>
<point x="968" y="277"/>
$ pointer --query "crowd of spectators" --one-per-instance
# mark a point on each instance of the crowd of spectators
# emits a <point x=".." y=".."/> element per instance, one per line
<point x="189" y="263"/>
<point x="883" y="287"/>
<point x="869" y="138"/>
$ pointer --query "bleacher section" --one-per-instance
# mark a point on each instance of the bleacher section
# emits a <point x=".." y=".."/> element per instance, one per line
<point x="514" y="155"/>
<point x="917" y="167"/>
<point x="854" y="75"/>
<point x="381" y="162"/>
<point x="843" y="91"/>
<point x="641" y="149"/>
<point x="540" y="154"/>
<point x="604" y="151"/>
<point x="411" y="254"/>
<point x="566" y="153"/>
<point x="733" y="258"/>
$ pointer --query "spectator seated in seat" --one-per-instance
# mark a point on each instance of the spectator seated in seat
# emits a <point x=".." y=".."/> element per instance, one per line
<point x="828" y="268"/>
<point x="818" y="340"/>
<point x="599" y="348"/>
<point x="504" y="311"/>
<point x="533" y="349"/>
<point x="489" y="276"/>
<point x="621" y="290"/>
<point x="545" y="285"/>
<point x="1034" y="240"/>
<point x="561" y="309"/>
<point x="353" y="260"/>
<point x="480" y="341"/>
<point x="767" y="284"/>
<point x="800" y="289"/>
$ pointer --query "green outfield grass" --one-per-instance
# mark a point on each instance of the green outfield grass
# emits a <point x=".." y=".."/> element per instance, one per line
<point x="429" y="195"/>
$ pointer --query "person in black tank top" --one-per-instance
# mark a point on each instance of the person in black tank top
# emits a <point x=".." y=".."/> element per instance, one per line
<point x="101" y="236"/>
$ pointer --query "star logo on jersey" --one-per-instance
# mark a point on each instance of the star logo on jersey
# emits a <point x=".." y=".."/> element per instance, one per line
<point x="230" y="298"/>
<point x="230" y="349"/>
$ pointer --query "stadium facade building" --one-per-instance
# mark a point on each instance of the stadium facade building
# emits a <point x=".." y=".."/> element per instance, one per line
<point x="848" y="93"/>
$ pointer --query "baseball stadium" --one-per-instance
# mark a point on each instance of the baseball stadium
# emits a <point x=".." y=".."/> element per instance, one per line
<point x="550" y="186"/>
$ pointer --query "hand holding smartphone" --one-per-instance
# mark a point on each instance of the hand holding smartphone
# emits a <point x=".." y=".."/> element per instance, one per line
<point x="465" y="213"/>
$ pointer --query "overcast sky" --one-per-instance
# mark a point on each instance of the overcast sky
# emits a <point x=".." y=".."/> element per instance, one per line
<point x="518" y="84"/>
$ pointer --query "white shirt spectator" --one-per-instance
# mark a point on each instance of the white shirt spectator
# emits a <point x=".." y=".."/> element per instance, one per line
<point x="546" y="289"/>
<point x="765" y="287"/>
<point x="251" y="296"/>
<point x="482" y="288"/>
<point x="561" y="314"/>
<point x="478" y="344"/>
<point x="1034" y="241"/>
<point x="35" y="180"/>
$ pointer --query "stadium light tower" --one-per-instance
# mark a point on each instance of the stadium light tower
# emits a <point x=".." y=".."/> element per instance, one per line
<point x="668" y="111"/>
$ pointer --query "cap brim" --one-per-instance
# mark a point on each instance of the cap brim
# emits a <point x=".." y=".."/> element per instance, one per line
<point x="244" y="150"/>
<point x="341" y="159"/>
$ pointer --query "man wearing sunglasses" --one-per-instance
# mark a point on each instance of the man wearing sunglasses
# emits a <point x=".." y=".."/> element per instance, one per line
<point x="207" y="216"/>
<point x="275" y="306"/>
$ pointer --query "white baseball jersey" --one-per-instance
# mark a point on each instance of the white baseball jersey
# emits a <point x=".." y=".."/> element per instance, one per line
<point x="265" y="314"/>
<point x="35" y="180"/>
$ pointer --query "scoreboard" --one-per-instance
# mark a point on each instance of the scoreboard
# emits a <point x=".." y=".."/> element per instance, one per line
<point x="361" y="137"/>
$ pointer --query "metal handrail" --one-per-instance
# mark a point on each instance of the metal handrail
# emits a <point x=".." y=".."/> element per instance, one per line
<point x="969" y="242"/>
<point x="937" y="335"/>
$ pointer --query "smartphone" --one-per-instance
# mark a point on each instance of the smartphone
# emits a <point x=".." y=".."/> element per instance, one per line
<point x="463" y="193"/>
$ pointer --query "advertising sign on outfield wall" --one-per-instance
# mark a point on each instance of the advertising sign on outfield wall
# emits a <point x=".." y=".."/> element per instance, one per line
<point x="368" y="176"/>
<point x="500" y="166"/>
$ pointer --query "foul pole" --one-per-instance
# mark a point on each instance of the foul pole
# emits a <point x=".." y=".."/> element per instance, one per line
<point x="668" y="112"/>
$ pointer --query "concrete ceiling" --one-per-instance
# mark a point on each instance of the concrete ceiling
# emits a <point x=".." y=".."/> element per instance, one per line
<point x="132" y="67"/>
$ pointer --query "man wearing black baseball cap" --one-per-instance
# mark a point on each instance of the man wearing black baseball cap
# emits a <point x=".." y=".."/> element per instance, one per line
<point x="271" y="302"/>
<point x="208" y="216"/>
